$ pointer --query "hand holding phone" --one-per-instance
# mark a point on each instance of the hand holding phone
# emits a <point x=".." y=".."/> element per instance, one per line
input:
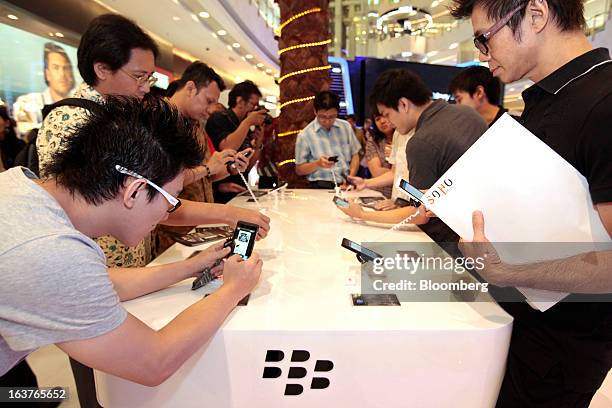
<point x="333" y="159"/>
<point x="412" y="191"/>
<point x="341" y="202"/>
<point x="243" y="241"/>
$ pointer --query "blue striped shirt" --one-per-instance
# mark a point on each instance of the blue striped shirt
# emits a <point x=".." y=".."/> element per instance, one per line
<point x="316" y="141"/>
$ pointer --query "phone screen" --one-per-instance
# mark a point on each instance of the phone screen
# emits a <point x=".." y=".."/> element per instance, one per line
<point x="340" y="202"/>
<point x="412" y="191"/>
<point x="243" y="242"/>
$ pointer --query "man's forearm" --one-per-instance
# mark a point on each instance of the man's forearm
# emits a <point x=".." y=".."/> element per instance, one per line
<point x="235" y="139"/>
<point x="307" y="168"/>
<point x="196" y="213"/>
<point x="383" y="180"/>
<point x="389" y="217"/>
<point x="131" y="283"/>
<point x="354" y="165"/>
<point x="585" y="273"/>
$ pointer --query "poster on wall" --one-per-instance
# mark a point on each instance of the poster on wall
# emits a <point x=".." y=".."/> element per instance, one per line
<point x="35" y="71"/>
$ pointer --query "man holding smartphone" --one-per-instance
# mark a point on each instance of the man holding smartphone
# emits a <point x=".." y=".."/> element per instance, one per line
<point x="54" y="283"/>
<point x="326" y="145"/>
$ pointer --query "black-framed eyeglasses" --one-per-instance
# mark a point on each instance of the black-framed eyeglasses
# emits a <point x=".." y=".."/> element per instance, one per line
<point x="480" y="41"/>
<point x="144" y="79"/>
<point x="173" y="201"/>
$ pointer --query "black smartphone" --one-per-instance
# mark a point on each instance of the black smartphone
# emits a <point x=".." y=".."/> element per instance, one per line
<point x="340" y="202"/>
<point x="243" y="241"/>
<point x="333" y="159"/>
<point x="412" y="191"/>
<point x="247" y="153"/>
<point x="362" y="252"/>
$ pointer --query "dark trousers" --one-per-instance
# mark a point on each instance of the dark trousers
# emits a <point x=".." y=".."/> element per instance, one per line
<point x="22" y="376"/>
<point x="86" y="386"/>
<point x="321" y="185"/>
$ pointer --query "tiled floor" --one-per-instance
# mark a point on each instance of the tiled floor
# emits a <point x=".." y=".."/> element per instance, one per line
<point x="53" y="369"/>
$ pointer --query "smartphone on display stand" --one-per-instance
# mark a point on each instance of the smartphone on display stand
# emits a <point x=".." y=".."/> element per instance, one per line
<point x="363" y="254"/>
<point x="341" y="202"/>
<point x="412" y="191"/>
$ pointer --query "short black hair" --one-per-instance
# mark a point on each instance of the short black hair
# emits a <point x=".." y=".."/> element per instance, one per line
<point x="471" y="78"/>
<point x="148" y="136"/>
<point x="244" y="90"/>
<point x="110" y="39"/>
<point x="201" y="75"/>
<point x="568" y="14"/>
<point x="52" y="48"/>
<point x="326" y="100"/>
<point x="394" y="84"/>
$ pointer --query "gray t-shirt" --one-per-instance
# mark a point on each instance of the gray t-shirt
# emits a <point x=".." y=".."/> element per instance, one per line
<point x="443" y="133"/>
<point x="54" y="284"/>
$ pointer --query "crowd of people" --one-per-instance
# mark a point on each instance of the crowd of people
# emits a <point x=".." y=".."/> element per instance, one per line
<point x="120" y="169"/>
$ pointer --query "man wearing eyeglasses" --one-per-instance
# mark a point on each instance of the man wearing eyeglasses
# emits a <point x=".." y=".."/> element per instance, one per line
<point x="559" y="357"/>
<point x="116" y="57"/>
<point x="325" y="138"/>
<point x="54" y="283"/>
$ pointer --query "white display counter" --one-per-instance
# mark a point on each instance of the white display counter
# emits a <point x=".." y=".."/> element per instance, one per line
<point x="436" y="354"/>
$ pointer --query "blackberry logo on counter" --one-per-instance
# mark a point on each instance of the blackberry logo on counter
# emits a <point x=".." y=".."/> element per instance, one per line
<point x="297" y="356"/>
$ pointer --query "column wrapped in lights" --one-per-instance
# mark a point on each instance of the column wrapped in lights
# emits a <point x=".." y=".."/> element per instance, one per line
<point x="303" y="39"/>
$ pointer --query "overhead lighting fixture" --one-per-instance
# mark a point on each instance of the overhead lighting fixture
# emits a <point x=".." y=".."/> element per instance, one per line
<point x="221" y="32"/>
<point x="175" y="18"/>
<point x="51" y="35"/>
<point x="236" y="45"/>
<point x="60" y="35"/>
<point x="453" y="46"/>
<point x="406" y="54"/>
<point x="242" y="58"/>
<point x="268" y="71"/>
<point x="195" y="18"/>
<point x="204" y="14"/>
<point x="13" y="17"/>
<point x="435" y="3"/>
<point x="238" y="79"/>
<point x="432" y="54"/>
<point x="229" y="47"/>
<point x="215" y="35"/>
<point x="248" y="56"/>
<point x="259" y="65"/>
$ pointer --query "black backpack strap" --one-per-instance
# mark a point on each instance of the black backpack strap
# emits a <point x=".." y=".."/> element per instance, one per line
<point x="77" y="102"/>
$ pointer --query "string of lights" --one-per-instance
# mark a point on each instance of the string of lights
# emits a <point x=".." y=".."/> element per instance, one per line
<point x="303" y="71"/>
<point x="289" y="133"/>
<point x="298" y="100"/>
<point x="279" y="30"/>
<point x="305" y="45"/>
<point x="280" y="164"/>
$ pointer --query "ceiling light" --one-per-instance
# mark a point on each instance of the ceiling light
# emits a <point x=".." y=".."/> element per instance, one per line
<point x="432" y="54"/>
<point x="268" y="71"/>
<point x="229" y="47"/>
<point x="195" y="18"/>
<point x="406" y="54"/>
<point x="13" y="17"/>
<point x="248" y="56"/>
<point x="215" y="35"/>
<point x="221" y="32"/>
<point x="51" y="35"/>
<point x="175" y="18"/>
<point x="453" y="46"/>
<point x="204" y="14"/>
<point x="435" y="3"/>
<point x="259" y="65"/>
<point x="238" y="79"/>
<point x="236" y="45"/>
<point x="60" y="35"/>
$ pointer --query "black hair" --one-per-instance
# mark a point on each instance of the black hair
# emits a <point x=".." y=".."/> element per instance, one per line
<point x="50" y="48"/>
<point x="244" y="90"/>
<point x="201" y="75"/>
<point x="394" y="84"/>
<point x="471" y="78"/>
<point x="376" y="133"/>
<point x="326" y="100"/>
<point x="568" y="14"/>
<point x="110" y="39"/>
<point x="146" y="136"/>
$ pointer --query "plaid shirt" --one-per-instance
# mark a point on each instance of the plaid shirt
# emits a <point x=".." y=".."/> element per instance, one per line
<point x="315" y="141"/>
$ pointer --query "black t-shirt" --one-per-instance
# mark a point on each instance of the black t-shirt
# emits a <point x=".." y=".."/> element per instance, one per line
<point x="571" y="111"/>
<point x="218" y="126"/>
<point x="443" y="133"/>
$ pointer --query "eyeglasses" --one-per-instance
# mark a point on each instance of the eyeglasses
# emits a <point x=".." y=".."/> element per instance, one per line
<point x="481" y="40"/>
<point x="141" y="80"/>
<point x="173" y="201"/>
